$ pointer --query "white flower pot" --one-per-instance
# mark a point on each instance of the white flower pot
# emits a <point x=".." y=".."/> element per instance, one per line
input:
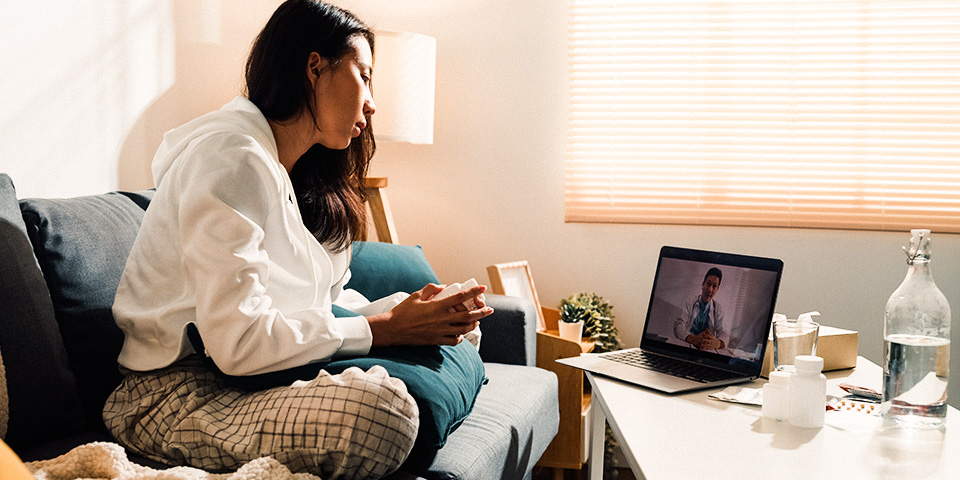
<point x="571" y="331"/>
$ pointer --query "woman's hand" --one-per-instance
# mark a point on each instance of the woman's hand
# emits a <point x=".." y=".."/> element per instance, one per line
<point x="418" y="320"/>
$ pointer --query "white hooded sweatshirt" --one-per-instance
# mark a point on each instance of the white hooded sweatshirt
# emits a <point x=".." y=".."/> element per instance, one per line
<point x="223" y="245"/>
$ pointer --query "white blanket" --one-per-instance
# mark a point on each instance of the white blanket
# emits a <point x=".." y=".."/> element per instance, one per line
<point x="104" y="460"/>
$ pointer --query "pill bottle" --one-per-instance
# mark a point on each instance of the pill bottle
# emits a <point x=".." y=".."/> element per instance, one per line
<point x="808" y="392"/>
<point x="776" y="396"/>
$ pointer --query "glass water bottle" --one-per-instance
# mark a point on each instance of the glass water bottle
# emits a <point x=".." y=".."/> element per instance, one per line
<point x="916" y="338"/>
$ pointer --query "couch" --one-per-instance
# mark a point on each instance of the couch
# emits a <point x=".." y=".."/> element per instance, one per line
<point x="60" y="263"/>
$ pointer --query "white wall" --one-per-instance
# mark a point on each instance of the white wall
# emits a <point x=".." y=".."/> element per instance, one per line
<point x="89" y="86"/>
<point x="75" y="78"/>
<point x="490" y="188"/>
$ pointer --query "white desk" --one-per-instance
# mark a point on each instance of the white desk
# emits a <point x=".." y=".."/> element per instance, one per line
<point x="692" y="436"/>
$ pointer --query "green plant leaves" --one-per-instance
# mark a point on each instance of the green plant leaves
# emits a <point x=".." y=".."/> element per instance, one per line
<point x="597" y="318"/>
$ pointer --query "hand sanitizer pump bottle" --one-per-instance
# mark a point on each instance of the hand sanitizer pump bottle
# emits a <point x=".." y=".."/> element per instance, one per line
<point x="916" y="341"/>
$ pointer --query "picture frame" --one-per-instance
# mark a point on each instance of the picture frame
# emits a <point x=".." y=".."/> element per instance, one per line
<point x="515" y="280"/>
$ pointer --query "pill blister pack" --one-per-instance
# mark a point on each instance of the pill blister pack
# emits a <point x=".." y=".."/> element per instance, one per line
<point x="860" y="399"/>
<point x="859" y="405"/>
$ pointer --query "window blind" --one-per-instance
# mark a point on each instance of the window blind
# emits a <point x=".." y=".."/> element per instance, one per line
<point x="817" y="114"/>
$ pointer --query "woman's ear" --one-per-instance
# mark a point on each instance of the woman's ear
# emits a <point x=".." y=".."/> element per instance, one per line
<point x="315" y="65"/>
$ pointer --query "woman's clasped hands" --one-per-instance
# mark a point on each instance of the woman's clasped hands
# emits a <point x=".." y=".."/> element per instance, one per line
<point x="422" y="319"/>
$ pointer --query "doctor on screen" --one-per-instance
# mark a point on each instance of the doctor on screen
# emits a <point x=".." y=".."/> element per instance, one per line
<point x="702" y="322"/>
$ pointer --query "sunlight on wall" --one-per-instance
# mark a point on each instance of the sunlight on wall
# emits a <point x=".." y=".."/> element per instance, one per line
<point x="76" y="77"/>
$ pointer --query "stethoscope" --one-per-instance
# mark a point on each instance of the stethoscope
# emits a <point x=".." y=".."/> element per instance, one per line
<point x="694" y="306"/>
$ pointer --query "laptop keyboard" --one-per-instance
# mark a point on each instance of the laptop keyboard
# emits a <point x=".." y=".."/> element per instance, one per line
<point x="671" y="366"/>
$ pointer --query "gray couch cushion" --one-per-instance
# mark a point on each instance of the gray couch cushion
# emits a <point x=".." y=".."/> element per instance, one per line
<point x="510" y="334"/>
<point x="82" y="244"/>
<point x="513" y="421"/>
<point x="42" y="391"/>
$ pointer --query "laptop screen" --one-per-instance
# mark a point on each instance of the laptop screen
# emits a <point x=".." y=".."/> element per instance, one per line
<point x="712" y="307"/>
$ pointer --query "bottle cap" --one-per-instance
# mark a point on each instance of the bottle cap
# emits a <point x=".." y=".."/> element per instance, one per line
<point x="778" y="377"/>
<point x="808" y="363"/>
<point x="919" y="251"/>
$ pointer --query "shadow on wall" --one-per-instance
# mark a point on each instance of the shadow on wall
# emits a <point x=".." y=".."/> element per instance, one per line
<point x="212" y="41"/>
<point x="89" y="88"/>
<point x="76" y="75"/>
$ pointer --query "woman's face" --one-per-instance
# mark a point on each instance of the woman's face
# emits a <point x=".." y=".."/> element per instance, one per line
<point x="343" y="97"/>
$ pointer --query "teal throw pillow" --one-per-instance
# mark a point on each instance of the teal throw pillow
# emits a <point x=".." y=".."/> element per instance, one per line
<point x="443" y="380"/>
<point x="380" y="269"/>
<point x="339" y="311"/>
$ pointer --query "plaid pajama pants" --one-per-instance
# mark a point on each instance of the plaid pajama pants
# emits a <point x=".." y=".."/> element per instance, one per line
<point x="352" y="425"/>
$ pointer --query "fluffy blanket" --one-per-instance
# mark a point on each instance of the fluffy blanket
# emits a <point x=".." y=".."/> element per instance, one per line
<point x="104" y="460"/>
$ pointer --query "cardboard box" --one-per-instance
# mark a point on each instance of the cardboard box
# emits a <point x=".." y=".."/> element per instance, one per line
<point x="837" y="347"/>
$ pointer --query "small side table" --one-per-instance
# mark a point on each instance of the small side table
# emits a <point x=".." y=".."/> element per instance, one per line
<point x="568" y="450"/>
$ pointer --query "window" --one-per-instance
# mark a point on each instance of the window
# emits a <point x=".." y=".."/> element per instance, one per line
<point x="818" y="114"/>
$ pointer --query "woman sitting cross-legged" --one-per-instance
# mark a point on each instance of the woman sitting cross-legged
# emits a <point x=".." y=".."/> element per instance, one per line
<point x="248" y="237"/>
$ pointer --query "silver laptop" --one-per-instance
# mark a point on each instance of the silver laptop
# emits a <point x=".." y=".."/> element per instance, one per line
<point x="707" y="323"/>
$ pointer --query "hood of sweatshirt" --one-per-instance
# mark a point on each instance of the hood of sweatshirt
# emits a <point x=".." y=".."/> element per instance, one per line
<point x="240" y="114"/>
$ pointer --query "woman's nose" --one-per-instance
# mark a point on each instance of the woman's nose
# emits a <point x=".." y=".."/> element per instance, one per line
<point x="369" y="108"/>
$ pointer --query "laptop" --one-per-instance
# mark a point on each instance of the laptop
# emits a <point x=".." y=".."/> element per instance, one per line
<point x="707" y="323"/>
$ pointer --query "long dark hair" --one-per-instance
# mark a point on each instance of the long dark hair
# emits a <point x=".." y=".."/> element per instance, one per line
<point x="328" y="183"/>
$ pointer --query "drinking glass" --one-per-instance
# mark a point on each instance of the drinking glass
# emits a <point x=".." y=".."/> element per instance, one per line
<point x="792" y="338"/>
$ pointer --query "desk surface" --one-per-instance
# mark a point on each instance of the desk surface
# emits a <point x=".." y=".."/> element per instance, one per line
<point x="692" y="436"/>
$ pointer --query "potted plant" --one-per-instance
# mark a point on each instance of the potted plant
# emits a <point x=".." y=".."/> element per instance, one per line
<point x="597" y="318"/>
<point x="571" y="321"/>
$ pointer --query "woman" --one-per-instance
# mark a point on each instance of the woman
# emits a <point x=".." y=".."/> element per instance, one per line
<point x="248" y="237"/>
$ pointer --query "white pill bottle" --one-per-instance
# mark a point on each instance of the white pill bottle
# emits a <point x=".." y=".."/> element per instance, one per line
<point x="776" y="396"/>
<point x="808" y="392"/>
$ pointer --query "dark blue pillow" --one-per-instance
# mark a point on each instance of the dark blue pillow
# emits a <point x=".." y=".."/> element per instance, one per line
<point x="82" y="244"/>
<point x="380" y="269"/>
<point x="41" y="388"/>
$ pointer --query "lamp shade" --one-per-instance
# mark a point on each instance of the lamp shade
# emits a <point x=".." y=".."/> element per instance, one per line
<point x="404" y="77"/>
